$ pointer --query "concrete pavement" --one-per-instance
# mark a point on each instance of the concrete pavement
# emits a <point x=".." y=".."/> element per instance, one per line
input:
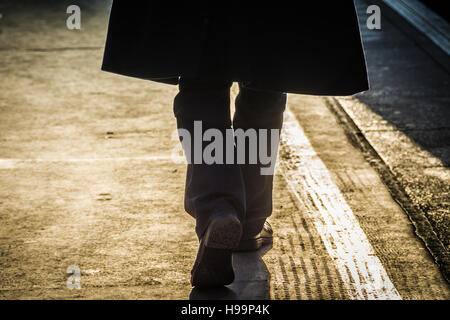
<point x="405" y="118"/>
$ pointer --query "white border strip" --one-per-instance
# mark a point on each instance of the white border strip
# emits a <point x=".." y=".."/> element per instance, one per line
<point x="311" y="183"/>
<point x="432" y="25"/>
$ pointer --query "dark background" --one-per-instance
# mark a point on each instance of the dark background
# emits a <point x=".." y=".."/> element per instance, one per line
<point x="439" y="7"/>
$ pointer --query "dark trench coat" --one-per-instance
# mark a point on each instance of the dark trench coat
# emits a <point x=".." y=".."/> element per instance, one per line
<point x="312" y="47"/>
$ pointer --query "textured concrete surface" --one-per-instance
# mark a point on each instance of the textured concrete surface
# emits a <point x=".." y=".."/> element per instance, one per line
<point x="87" y="178"/>
<point x="390" y="233"/>
<point x="405" y="116"/>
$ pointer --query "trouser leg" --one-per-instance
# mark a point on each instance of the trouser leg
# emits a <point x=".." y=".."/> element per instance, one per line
<point x="258" y="110"/>
<point x="211" y="189"/>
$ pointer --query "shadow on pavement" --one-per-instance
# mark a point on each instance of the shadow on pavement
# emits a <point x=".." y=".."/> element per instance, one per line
<point x="409" y="86"/>
<point x="252" y="280"/>
<point x="408" y="117"/>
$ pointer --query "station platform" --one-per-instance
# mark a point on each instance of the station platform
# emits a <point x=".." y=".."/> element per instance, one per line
<point x="91" y="176"/>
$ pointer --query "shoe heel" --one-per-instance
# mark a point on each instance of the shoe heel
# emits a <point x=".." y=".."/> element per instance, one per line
<point x="224" y="233"/>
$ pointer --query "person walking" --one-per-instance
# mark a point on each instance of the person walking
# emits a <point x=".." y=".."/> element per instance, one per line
<point x="313" y="48"/>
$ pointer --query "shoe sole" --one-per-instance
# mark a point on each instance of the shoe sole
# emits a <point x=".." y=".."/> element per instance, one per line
<point x="213" y="265"/>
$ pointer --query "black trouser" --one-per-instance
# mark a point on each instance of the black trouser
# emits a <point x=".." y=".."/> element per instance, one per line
<point x="212" y="189"/>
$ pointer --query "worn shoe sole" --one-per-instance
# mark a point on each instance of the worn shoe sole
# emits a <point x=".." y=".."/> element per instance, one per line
<point x="213" y="265"/>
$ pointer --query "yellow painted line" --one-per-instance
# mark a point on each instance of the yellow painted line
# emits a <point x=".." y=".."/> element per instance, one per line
<point x="310" y="182"/>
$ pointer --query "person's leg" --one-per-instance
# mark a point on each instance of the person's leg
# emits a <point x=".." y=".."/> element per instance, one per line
<point x="258" y="110"/>
<point x="214" y="193"/>
<point x="211" y="189"/>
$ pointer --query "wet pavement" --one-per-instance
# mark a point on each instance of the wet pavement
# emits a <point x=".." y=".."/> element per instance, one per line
<point x="90" y="177"/>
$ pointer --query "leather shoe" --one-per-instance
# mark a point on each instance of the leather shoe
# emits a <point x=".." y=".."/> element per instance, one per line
<point x="213" y="265"/>
<point x="264" y="237"/>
